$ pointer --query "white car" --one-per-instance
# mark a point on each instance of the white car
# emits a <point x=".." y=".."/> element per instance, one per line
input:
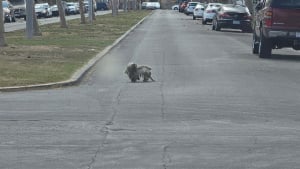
<point x="175" y="7"/>
<point x="43" y="10"/>
<point x="198" y="11"/>
<point x="153" y="5"/>
<point x="190" y="8"/>
<point x="210" y="12"/>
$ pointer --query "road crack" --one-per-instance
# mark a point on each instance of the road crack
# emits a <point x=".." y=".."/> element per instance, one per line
<point x="161" y="88"/>
<point x="166" y="159"/>
<point x="105" y="129"/>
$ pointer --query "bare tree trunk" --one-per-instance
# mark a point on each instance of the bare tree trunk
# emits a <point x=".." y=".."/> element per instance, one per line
<point x="94" y="15"/>
<point x="135" y="5"/>
<point x="115" y="5"/>
<point x="2" y="37"/>
<point x="36" y="28"/>
<point x="94" y="11"/>
<point x="125" y="5"/>
<point x="114" y="8"/>
<point x="62" y="15"/>
<point x="81" y="8"/>
<point x="249" y="4"/>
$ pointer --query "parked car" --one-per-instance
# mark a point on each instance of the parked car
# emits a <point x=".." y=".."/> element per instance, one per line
<point x="234" y="17"/>
<point x="8" y="12"/>
<point x="153" y="5"/>
<point x="19" y="8"/>
<point x="144" y="4"/>
<point x="175" y="7"/>
<point x="198" y="11"/>
<point x="276" y="26"/>
<point x="72" y="8"/>
<point x="86" y="5"/>
<point x="210" y="12"/>
<point x="182" y="6"/>
<point x="55" y="11"/>
<point x="43" y="10"/>
<point x="101" y="6"/>
<point x="190" y="8"/>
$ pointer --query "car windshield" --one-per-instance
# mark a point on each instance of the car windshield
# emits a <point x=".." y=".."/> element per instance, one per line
<point x="193" y="4"/>
<point x="213" y="6"/>
<point x="286" y="3"/>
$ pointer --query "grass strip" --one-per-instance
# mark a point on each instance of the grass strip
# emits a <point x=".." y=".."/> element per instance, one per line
<point x="59" y="52"/>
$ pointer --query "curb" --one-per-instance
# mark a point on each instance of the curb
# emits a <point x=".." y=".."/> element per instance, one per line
<point x="79" y="74"/>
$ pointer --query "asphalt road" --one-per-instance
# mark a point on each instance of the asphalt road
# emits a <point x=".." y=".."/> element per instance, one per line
<point x="214" y="105"/>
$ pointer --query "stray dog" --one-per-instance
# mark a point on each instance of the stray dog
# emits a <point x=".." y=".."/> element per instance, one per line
<point x="135" y="72"/>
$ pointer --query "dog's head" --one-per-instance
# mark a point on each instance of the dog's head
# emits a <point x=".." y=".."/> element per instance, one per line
<point x="131" y="69"/>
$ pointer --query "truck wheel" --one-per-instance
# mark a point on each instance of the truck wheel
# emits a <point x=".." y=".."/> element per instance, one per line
<point x="255" y="45"/>
<point x="217" y="27"/>
<point x="265" y="48"/>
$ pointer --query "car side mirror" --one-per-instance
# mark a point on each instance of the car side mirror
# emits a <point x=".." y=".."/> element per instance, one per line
<point x="259" y="6"/>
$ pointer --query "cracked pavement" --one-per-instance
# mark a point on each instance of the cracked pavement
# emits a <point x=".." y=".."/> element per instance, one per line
<point x="213" y="105"/>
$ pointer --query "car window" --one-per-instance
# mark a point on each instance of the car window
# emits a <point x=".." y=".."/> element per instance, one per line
<point x="193" y="4"/>
<point x="4" y="4"/>
<point x="286" y="3"/>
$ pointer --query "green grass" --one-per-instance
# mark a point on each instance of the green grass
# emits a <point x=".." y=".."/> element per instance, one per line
<point x="59" y="52"/>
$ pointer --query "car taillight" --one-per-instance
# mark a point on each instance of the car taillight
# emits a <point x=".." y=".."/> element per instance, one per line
<point x="268" y="17"/>
<point x="224" y="15"/>
<point x="247" y="17"/>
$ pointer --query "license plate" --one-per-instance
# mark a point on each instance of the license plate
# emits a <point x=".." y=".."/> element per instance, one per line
<point x="236" y="22"/>
<point x="298" y="34"/>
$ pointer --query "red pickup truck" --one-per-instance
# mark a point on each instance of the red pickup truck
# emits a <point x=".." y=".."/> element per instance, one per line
<point x="276" y="25"/>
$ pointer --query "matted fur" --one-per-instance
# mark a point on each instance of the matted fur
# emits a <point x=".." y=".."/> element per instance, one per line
<point x="135" y="72"/>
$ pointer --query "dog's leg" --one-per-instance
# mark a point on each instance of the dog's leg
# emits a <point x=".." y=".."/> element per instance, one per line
<point x="152" y="79"/>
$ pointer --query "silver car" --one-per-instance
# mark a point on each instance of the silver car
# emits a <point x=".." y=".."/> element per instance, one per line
<point x="190" y="8"/>
<point x="210" y="11"/>
<point x="198" y="11"/>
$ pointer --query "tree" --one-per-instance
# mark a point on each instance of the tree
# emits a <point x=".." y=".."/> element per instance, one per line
<point x="115" y="7"/>
<point x="81" y="8"/>
<point x="36" y="27"/>
<point x="62" y="15"/>
<point x="125" y="5"/>
<point x="249" y="4"/>
<point x="32" y="27"/>
<point x="2" y="38"/>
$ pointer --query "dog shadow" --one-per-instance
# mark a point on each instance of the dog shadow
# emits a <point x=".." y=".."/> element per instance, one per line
<point x="141" y="82"/>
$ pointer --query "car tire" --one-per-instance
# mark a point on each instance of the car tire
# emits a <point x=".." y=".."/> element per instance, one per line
<point x="203" y="22"/>
<point x="255" y="45"/>
<point x="265" y="48"/>
<point x="217" y="26"/>
<point x="213" y="27"/>
<point x="194" y="17"/>
<point x="175" y="8"/>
